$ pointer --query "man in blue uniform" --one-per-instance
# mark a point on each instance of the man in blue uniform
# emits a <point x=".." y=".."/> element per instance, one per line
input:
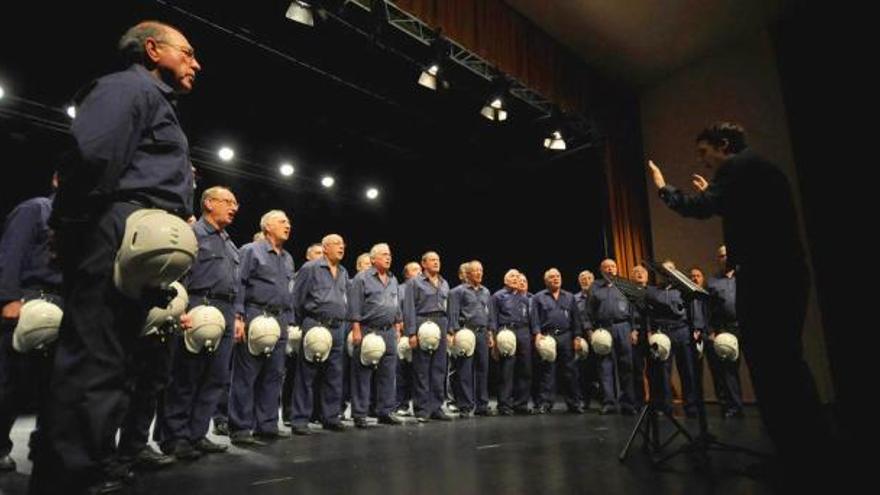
<point x="469" y="308"/>
<point x="639" y="275"/>
<point x="266" y="290"/>
<point x="28" y="270"/>
<point x="609" y="309"/>
<point x="554" y="314"/>
<point x="374" y="308"/>
<point x="319" y="299"/>
<point x="198" y="380"/>
<point x="404" y="383"/>
<point x="510" y="310"/>
<point x="130" y="153"/>
<point x="588" y="371"/>
<point x="722" y="317"/>
<point x="426" y="300"/>
<point x="667" y="314"/>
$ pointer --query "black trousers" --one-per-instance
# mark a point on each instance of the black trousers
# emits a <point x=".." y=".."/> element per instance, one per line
<point x="91" y="376"/>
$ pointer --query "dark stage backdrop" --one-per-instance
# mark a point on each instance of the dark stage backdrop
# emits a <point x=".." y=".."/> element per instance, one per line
<point x="450" y="180"/>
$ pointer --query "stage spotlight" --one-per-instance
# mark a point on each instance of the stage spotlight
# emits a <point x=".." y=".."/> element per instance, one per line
<point x="286" y="169"/>
<point x="226" y="153"/>
<point x="554" y="141"/>
<point x="301" y="12"/>
<point x="71" y="111"/>
<point x="372" y="193"/>
<point x="328" y="181"/>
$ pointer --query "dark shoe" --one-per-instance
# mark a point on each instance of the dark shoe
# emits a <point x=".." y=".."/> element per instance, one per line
<point x="206" y="446"/>
<point x="505" y="412"/>
<point x="402" y="411"/>
<point x="287" y="423"/>
<point x="148" y="458"/>
<point x="523" y="411"/>
<point x="7" y="464"/>
<point x="576" y="409"/>
<point x="607" y="409"/>
<point x="335" y="426"/>
<point x="181" y="449"/>
<point x="104" y="487"/>
<point x="244" y="439"/>
<point x="272" y="435"/>
<point x="390" y="420"/>
<point x="361" y="423"/>
<point x="453" y="408"/>
<point x="465" y="413"/>
<point x="544" y="409"/>
<point x="441" y="416"/>
<point x="221" y="429"/>
<point x="483" y="412"/>
<point x="301" y="430"/>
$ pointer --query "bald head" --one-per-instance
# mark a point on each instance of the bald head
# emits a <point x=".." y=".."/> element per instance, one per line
<point x="334" y="248"/>
<point x="608" y="267"/>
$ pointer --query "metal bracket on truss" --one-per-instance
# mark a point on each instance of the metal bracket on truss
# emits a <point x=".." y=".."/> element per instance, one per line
<point x="416" y="28"/>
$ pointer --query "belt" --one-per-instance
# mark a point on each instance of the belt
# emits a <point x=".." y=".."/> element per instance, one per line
<point x="433" y="314"/>
<point x="326" y="322"/>
<point x="368" y="329"/>
<point x="228" y="297"/>
<point x="554" y="331"/>
<point x="269" y="309"/>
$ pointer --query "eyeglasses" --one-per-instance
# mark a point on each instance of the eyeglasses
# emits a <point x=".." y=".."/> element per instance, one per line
<point x="187" y="51"/>
<point x="229" y="202"/>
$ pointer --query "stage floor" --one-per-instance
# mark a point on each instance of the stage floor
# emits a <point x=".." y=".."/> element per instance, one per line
<point x="557" y="453"/>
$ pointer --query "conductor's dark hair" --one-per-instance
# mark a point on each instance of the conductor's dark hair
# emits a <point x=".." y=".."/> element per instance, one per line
<point x="728" y="134"/>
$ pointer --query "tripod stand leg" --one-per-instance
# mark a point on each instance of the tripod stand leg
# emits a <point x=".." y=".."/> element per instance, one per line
<point x="643" y="414"/>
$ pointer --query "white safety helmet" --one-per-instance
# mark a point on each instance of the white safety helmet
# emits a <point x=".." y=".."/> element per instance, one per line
<point x="157" y="249"/>
<point x="660" y="346"/>
<point x="372" y="349"/>
<point x="464" y="342"/>
<point x="294" y="338"/>
<point x="37" y="325"/>
<point x="601" y="341"/>
<point x="506" y="342"/>
<point x="317" y="343"/>
<point x="429" y="336"/>
<point x="584" y="351"/>
<point x="727" y="346"/>
<point x="208" y="325"/>
<point x="263" y="333"/>
<point x="169" y="315"/>
<point x="404" y="351"/>
<point x="546" y="348"/>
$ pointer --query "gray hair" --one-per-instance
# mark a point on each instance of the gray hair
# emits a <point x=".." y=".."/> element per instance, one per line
<point x="374" y="251"/>
<point x="268" y="216"/>
<point x="131" y="45"/>
<point x="211" y="192"/>
<point x="259" y="236"/>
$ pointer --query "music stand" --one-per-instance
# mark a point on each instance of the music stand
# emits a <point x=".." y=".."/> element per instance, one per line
<point x="697" y="446"/>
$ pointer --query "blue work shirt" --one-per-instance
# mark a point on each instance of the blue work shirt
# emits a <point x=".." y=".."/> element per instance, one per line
<point x="582" y="300"/>
<point x="469" y="307"/>
<point x="698" y="314"/>
<point x="608" y="305"/>
<point x="319" y="296"/>
<point x="25" y="259"/>
<point x="130" y="146"/>
<point x="509" y="309"/>
<point x="216" y="268"/>
<point x="722" y="305"/>
<point x="555" y="315"/>
<point x="372" y="303"/>
<point x="266" y="279"/>
<point x="424" y="299"/>
<point x="666" y="307"/>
